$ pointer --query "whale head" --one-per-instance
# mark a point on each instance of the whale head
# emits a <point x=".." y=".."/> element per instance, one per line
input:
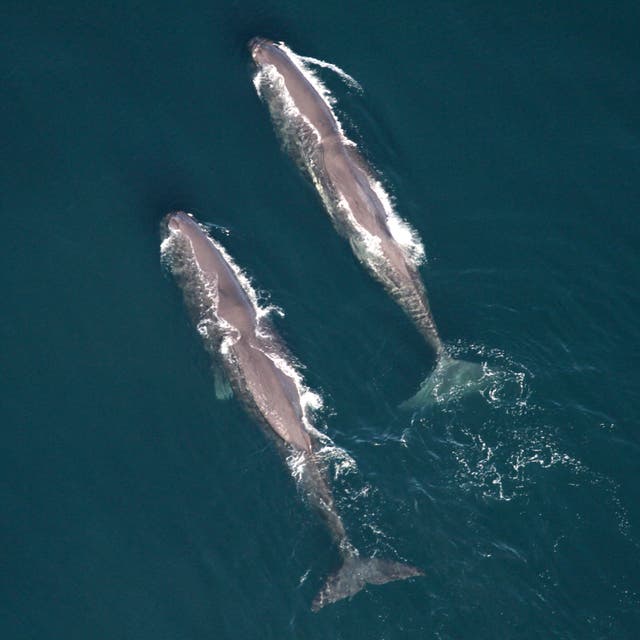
<point x="262" y="50"/>
<point x="176" y="221"/>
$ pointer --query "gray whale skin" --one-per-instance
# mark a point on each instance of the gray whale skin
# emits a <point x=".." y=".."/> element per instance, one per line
<point x="245" y="346"/>
<point x="345" y="183"/>
<point x="341" y="174"/>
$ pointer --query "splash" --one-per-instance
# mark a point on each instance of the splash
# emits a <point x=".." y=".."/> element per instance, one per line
<point x="367" y="245"/>
<point x="503" y="447"/>
<point x="310" y="401"/>
<point x="492" y="375"/>
<point x="322" y="90"/>
<point x="349" y="80"/>
<point x="403" y="233"/>
<point x="297" y="462"/>
<point x="271" y="87"/>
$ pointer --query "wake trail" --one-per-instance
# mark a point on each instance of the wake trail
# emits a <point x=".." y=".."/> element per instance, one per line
<point x="344" y="76"/>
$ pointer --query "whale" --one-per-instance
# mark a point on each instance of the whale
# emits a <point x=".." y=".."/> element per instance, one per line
<point x="303" y="116"/>
<point x="262" y="374"/>
<point x="343" y="178"/>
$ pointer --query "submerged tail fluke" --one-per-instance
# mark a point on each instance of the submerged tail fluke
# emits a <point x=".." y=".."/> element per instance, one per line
<point x="450" y="379"/>
<point x="356" y="573"/>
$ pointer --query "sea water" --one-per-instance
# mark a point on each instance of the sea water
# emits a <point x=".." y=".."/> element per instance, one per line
<point x="136" y="505"/>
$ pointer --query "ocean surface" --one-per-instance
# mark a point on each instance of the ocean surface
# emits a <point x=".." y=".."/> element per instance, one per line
<point x="136" y="505"/>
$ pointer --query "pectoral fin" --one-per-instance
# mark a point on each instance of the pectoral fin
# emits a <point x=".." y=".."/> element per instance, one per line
<point x="221" y="385"/>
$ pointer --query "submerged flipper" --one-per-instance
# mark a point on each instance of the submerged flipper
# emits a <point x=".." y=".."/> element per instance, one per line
<point x="221" y="385"/>
<point x="450" y="379"/>
<point x="356" y="573"/>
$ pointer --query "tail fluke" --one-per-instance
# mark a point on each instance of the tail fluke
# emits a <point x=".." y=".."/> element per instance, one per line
<point x="356" y="573"/>
<point x="450" y="379"/>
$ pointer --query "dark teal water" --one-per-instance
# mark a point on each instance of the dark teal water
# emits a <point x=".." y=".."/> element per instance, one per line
<point x="134" y="505"/>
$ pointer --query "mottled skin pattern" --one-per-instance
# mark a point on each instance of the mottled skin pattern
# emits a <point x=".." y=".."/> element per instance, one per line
<point x="217" y="298"/>
<point x="274" y="394"/>
<point x="267" y="391"/>
<point x="346" y="173"/>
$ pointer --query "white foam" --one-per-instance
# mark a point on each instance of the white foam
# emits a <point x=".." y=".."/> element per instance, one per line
<point x="370" y="243"/>
<point x="350" y="80"/>
<point x="310" y="75"/>
<point x="343" y="462"/>
<point x="309" y="400"/>
<point x="165" y="249"/>
<point x="324" y="93"/>
<point x="304" y="577"/>
<point x="297" y="462"/>
<point x="268" y="75"/>
<point x="258" y="81"/>
<point x="403" y="233"/>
